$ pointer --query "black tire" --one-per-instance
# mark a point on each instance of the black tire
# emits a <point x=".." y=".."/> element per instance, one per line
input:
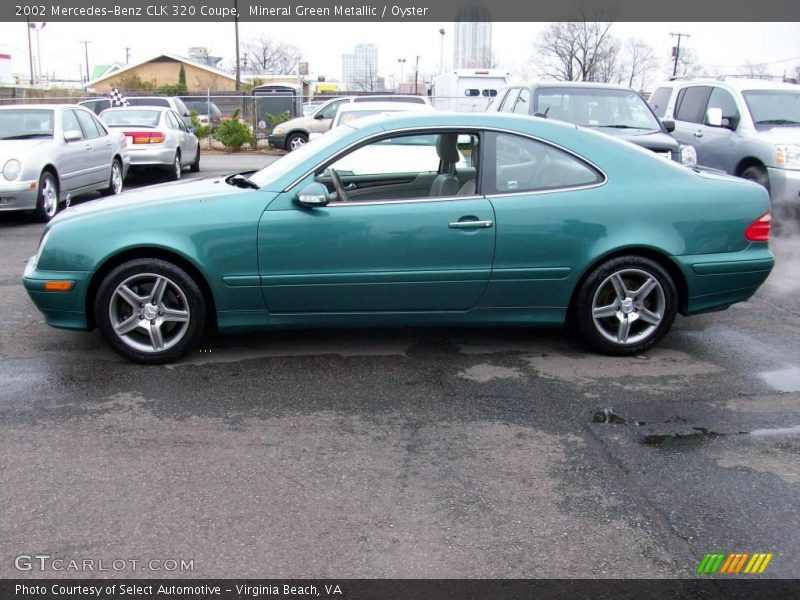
<point x="633" y="327"/>
<point x="181" y="299"/>
<point x="46" y="203"/>
<point x="175" y="170"/>
<point x="758" y="174"/>
<point x="114" y="187"/>
<point x="195" y="166"/>
<point x="295" y="141"/>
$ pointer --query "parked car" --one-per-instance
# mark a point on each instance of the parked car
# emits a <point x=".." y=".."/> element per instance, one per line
<point x="547" y="222"/>
<point x="98" y="105"/>
<point x="354" y="111"/>
<point x="292" y="134"/>
<point x="745" y="127"/>
<point x="155" y="137"/>
<point x="207" y="112"/>
<point x="611" y="109"/>
<point x="310" y="107"/>
<point x="52" y="152"/>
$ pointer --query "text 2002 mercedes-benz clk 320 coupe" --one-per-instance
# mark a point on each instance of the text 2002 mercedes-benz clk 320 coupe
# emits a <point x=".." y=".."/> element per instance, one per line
<point x="421" y="219"/>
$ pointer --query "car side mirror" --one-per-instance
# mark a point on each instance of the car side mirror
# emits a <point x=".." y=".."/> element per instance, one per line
<point x="714" y="117"/>
<point x="314" y="195"/>
<point x="669" y="125"/>
<point x="72" y="135"/>
<point x="320" y="116"/>
<point x="730" y="123"/>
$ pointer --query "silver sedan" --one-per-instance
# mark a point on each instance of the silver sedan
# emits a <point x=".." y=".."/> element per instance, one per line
<point x="156" y="136"/>
<point x="52" y="152"/>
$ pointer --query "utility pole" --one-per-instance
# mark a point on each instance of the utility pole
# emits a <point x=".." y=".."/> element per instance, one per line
<point x="416" y="76"/>
<point x="127" y="55"/>
<point x="236" y="29"/>
<point x="86" y="50"/>
<point x="441" y="52"/>
<point x="30" y="46"/>
<point x="677" y="51"/>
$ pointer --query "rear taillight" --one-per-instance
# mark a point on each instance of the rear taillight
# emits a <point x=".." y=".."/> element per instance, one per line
<point x="146" y="137"/>
<point x="758" y="230"/>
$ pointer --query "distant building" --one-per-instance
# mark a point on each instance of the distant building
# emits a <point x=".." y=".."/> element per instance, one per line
<point x="5" y="69"/>
<point x="200" y="55"/>
<point x="473" y="38"/>
<point x="360" y="68"/>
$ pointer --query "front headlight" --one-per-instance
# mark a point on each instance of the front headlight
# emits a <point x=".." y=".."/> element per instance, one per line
<point x="12" y="169"/>
<point x="688" y="156"/>
<point x="787" y="156"/>
<point x="279" y="130"/>
<point x="41" y="248"/>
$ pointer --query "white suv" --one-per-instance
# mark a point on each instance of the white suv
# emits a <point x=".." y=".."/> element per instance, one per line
<point x="746" y="127"/>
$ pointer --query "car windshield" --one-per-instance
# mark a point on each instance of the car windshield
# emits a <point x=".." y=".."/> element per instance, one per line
<point x="25" y="123"/>
<point x="136" y="118"/>
<point x="352" y="115"/>
<point x="596" y="107"/>
<point x="316" y="147"/>
<point x="773" y="107"/>
<point x="202" y="108"/>
<point x="148" y="102"/>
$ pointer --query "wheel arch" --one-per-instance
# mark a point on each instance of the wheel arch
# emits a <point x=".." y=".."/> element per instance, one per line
<point x="661" y="258"/>
<point x="179" y="260"/>
<point x="746" y="163"/>
<point x="302" y="132"/>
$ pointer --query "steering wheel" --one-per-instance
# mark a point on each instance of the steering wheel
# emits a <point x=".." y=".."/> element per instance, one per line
<point x="337" y="184"/>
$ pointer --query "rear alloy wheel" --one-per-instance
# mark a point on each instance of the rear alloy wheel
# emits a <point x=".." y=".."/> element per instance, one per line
<point x="150" y="311"/>
<point x="115" y="183"/>
<point x="47" y="201"/>
<point x="626" y="306"/>
<point x="195" y="166"/>
<point x="177" y="169"/>
<point x="295" y="141"/>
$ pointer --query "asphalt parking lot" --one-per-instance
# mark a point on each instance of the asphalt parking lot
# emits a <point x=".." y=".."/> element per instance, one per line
<point x="403" y="452"/>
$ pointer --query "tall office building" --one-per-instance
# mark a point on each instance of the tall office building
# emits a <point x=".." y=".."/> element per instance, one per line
<point x="360" y="68"/>
<point x="473" y="39"/>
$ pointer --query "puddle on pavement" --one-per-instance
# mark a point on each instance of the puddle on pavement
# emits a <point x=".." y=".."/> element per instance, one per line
<point x="784" y="380"/>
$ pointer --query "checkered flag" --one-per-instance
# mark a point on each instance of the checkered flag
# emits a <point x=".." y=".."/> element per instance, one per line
<point x="117" y="99"/>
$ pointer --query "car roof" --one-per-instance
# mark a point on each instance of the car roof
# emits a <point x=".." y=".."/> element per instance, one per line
<point x="41" y="106"/>
<point x="737" y="83"/>
<point x="137" y="108"/>
<point x="467" y="120"/>
<point x="572" y="84"/>
<point x="389" y="106"/>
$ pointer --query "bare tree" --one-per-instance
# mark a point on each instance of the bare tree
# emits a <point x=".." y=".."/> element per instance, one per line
<point x="366" y="80"/>
<point x="754" y="70"/>
<point x="688" y="63"/>
<point x="267" y="55"/>
<point x="582" y="50"/>
<point x="638" y="63"/>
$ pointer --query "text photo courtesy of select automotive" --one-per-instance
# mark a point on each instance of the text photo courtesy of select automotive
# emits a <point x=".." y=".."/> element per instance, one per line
<point x="400" y="300"/>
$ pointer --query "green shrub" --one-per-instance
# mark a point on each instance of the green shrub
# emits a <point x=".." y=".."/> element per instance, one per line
<point x="200" y="130"/>
<point x="275" y="120"/>
<point x="233" y="134"/>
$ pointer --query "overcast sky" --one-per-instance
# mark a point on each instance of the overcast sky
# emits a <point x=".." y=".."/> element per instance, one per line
<point x="723" y="45"/>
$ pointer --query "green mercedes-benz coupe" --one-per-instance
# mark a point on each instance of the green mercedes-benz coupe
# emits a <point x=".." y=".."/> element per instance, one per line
<point x="434" y="218"/>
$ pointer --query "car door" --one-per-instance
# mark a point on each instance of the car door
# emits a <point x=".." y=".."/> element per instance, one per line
<point x="97" y="160"/>
<point x="543" y="199"/>
<point x="73" y="169"/>
<point x="689" y="112"/>
<point x="322" y="120"/>
<point x="719" y="142"/>
<point x="185" y="139"/>
<point x="394" y="249"/>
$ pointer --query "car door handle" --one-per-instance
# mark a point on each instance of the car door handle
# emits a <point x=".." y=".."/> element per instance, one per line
<point x="471" y="224"/>
<point x="698" y="134"/>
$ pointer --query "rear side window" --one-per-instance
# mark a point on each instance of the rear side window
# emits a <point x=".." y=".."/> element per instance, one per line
<point x="659" y="99"/>
<point x="88" y="126"/>
<point x="525" y="165"/>
<point x="691" y="105"/>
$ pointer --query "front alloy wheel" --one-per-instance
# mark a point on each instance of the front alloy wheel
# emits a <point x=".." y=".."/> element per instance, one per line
<point x="626" y="305"/>
<point x="150" y="311"/>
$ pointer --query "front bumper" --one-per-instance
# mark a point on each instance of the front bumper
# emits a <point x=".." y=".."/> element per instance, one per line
<point x="784" y="186"/>
<point x="65" y="310"/>
<point x="18" y="195"/>
<point x="277" y="141"/>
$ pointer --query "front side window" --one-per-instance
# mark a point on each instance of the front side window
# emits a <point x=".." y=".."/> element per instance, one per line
<point x="723" y="99"/>
<point x="522" y="107"/>
<point x="418" y="165"/>
<point x="522" y="164"/>
<point x="330" y="111"/>
<point x="508" y="103"/>
<point x="69" y="122"/>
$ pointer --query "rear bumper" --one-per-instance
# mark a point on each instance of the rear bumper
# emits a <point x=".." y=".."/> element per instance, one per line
<point x="20" y="195"/>
<point x="143" y="157"/>
<point x="715" y="281"/>
<point x="65" y="310"/>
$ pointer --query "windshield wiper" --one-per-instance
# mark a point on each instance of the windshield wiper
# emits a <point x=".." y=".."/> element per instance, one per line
<point x="777" y="122"/>
<point x="26" y="136"/>
<point x="619" y="126"/>
<point x="241" y="181"/>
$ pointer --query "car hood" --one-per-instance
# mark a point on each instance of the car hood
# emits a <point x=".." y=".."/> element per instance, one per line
<point x="19" y="148"/>
<point x="185" y="191"/>
<point x="302" y="122"/>
<point x="777" y="134"/>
